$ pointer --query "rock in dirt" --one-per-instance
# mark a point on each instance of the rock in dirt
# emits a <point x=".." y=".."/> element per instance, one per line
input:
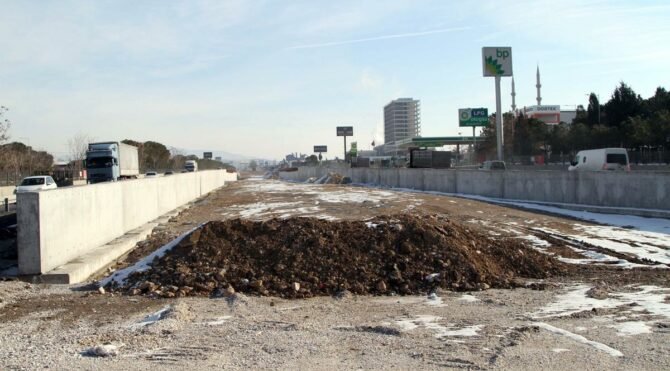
<point x="598" y="293"/>
<point x="306" y="257"/>
<point x="105" y="350"/>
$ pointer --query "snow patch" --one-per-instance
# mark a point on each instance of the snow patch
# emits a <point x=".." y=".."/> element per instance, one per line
<point x="151" y="318"/>
<point x="648" y="298"/>
<point x="430" y="322"/>
<point x="579" y="338"/>
<point x="216" y="322"/>
<point x="119" y="277"/>
<point x="631" y="328"/>
<point x="468" y="298"/>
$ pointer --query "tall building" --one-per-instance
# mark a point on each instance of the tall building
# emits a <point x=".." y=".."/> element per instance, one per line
<point x="402" y="120"/>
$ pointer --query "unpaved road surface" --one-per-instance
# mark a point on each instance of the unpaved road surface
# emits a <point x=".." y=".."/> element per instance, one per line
<point x="611" y="311"/>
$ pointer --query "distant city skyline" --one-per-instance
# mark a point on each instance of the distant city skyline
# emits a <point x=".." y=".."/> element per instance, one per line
<point x="263" y="79"/>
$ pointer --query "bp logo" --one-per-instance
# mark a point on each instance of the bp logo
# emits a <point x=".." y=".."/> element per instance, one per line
<point x="493" y="67"/>
<point x="465" y="115"/>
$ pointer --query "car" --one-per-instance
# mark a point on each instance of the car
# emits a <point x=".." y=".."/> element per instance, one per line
<point x="151" y="174"/>
<point x="169" y="172"/>
<point x="36" y="184"/>
<point x="493" y="165"/>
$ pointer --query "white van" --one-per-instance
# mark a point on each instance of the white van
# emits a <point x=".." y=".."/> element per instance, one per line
<point x="600" y="160"/>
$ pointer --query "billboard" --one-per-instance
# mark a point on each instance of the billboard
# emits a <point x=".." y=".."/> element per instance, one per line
<point x="473" y="117"/>
<point x="320" y="149"/>
<point x="207" y="155"/>
<point x="497" y="61"/>
<point x="345" y="131"/>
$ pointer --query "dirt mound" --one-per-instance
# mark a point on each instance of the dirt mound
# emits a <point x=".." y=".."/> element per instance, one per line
<point x="332" y="178"/>
<point x="305" y="257"/>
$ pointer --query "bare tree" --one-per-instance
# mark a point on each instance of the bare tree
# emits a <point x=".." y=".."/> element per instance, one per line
<point x="77" y="147"/>
<point x="4" y="136"/>
<point x="4" y="125"/>
<point x="177" y="158"/>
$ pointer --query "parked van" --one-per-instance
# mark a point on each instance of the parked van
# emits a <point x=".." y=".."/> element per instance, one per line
<point x="600" y="160"/>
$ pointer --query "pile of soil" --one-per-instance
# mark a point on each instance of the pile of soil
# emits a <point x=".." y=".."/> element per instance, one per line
<point x="332" y="178"/>
<point x="305" y="257"/>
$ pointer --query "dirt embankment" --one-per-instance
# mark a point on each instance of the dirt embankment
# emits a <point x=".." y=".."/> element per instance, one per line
<point x="305" y="257"/>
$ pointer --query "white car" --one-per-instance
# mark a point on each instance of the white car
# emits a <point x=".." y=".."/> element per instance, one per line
<point x="151" y="174"/>
<point x="36" y="184"/>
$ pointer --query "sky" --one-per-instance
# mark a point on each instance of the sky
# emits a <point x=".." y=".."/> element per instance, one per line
<point x="264" y="78"/>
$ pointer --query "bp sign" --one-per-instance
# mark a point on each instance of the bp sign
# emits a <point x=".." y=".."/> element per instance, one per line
<point x="354" y="149"/>
<point x="473" y="117"/>
<point x="497" y="61"/>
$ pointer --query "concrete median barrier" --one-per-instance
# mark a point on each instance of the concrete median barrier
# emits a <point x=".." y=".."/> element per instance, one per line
<point x="55" y="227"/>
<point x="642" y="190"/>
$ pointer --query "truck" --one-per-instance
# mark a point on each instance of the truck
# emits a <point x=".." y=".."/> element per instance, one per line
<point x="602" y="159"/>
<point x="111" y="161"/>
<point x="191" y="165"/>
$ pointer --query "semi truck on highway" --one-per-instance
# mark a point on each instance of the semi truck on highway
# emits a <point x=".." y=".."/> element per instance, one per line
<point x="191" y="165"/>
<point x="111" y="161"/>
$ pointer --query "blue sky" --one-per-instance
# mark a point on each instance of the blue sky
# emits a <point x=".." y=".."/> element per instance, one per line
<point x="265" y="78"/>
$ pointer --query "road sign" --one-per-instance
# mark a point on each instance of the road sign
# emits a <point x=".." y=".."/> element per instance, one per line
<point x="320" y="149"/>
<point x="497" y="61"/>
<point x="207" y="155"/>
<point x="473" y="117"/>
<point x="345" y="131"/>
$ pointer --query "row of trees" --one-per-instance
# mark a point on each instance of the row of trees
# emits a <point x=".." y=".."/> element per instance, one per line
<point x="626" y="120"/>
<point x="18" y="159"/>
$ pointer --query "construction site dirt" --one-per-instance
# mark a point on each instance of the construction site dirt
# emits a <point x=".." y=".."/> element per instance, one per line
<point x="270" y="274"/>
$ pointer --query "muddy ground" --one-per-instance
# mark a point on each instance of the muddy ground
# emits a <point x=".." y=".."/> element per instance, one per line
<point x="596" y="316"/>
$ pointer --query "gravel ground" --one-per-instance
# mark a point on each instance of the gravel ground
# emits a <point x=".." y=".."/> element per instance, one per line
<point x="492" y="329"/>
<point x="599" y="317"/>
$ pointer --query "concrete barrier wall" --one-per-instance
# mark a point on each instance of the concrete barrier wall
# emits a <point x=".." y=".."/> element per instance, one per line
<point x="7" y="192"/>
<point x="641" y="189"/>
<point x="55" y="227"/>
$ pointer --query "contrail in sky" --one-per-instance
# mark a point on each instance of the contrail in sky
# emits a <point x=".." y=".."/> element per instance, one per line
<point x="376" y="38"/>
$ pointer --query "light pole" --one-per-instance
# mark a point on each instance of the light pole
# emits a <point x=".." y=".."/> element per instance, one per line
<point x="458" y="150"/>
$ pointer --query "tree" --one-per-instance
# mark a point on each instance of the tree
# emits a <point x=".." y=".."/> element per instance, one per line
<point x="20" y="159"/>
<point x="5" y="124"/>
<point x="312" y="160"/>
<point x="156" y="155"/>
<point x="623" y="104"/>
<point x="253" y="165"/>
<point x="177" y="158"/>
<point x="77" y="147"/>
<point x="593" y="110"/>
<point x="581" y="116"/>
